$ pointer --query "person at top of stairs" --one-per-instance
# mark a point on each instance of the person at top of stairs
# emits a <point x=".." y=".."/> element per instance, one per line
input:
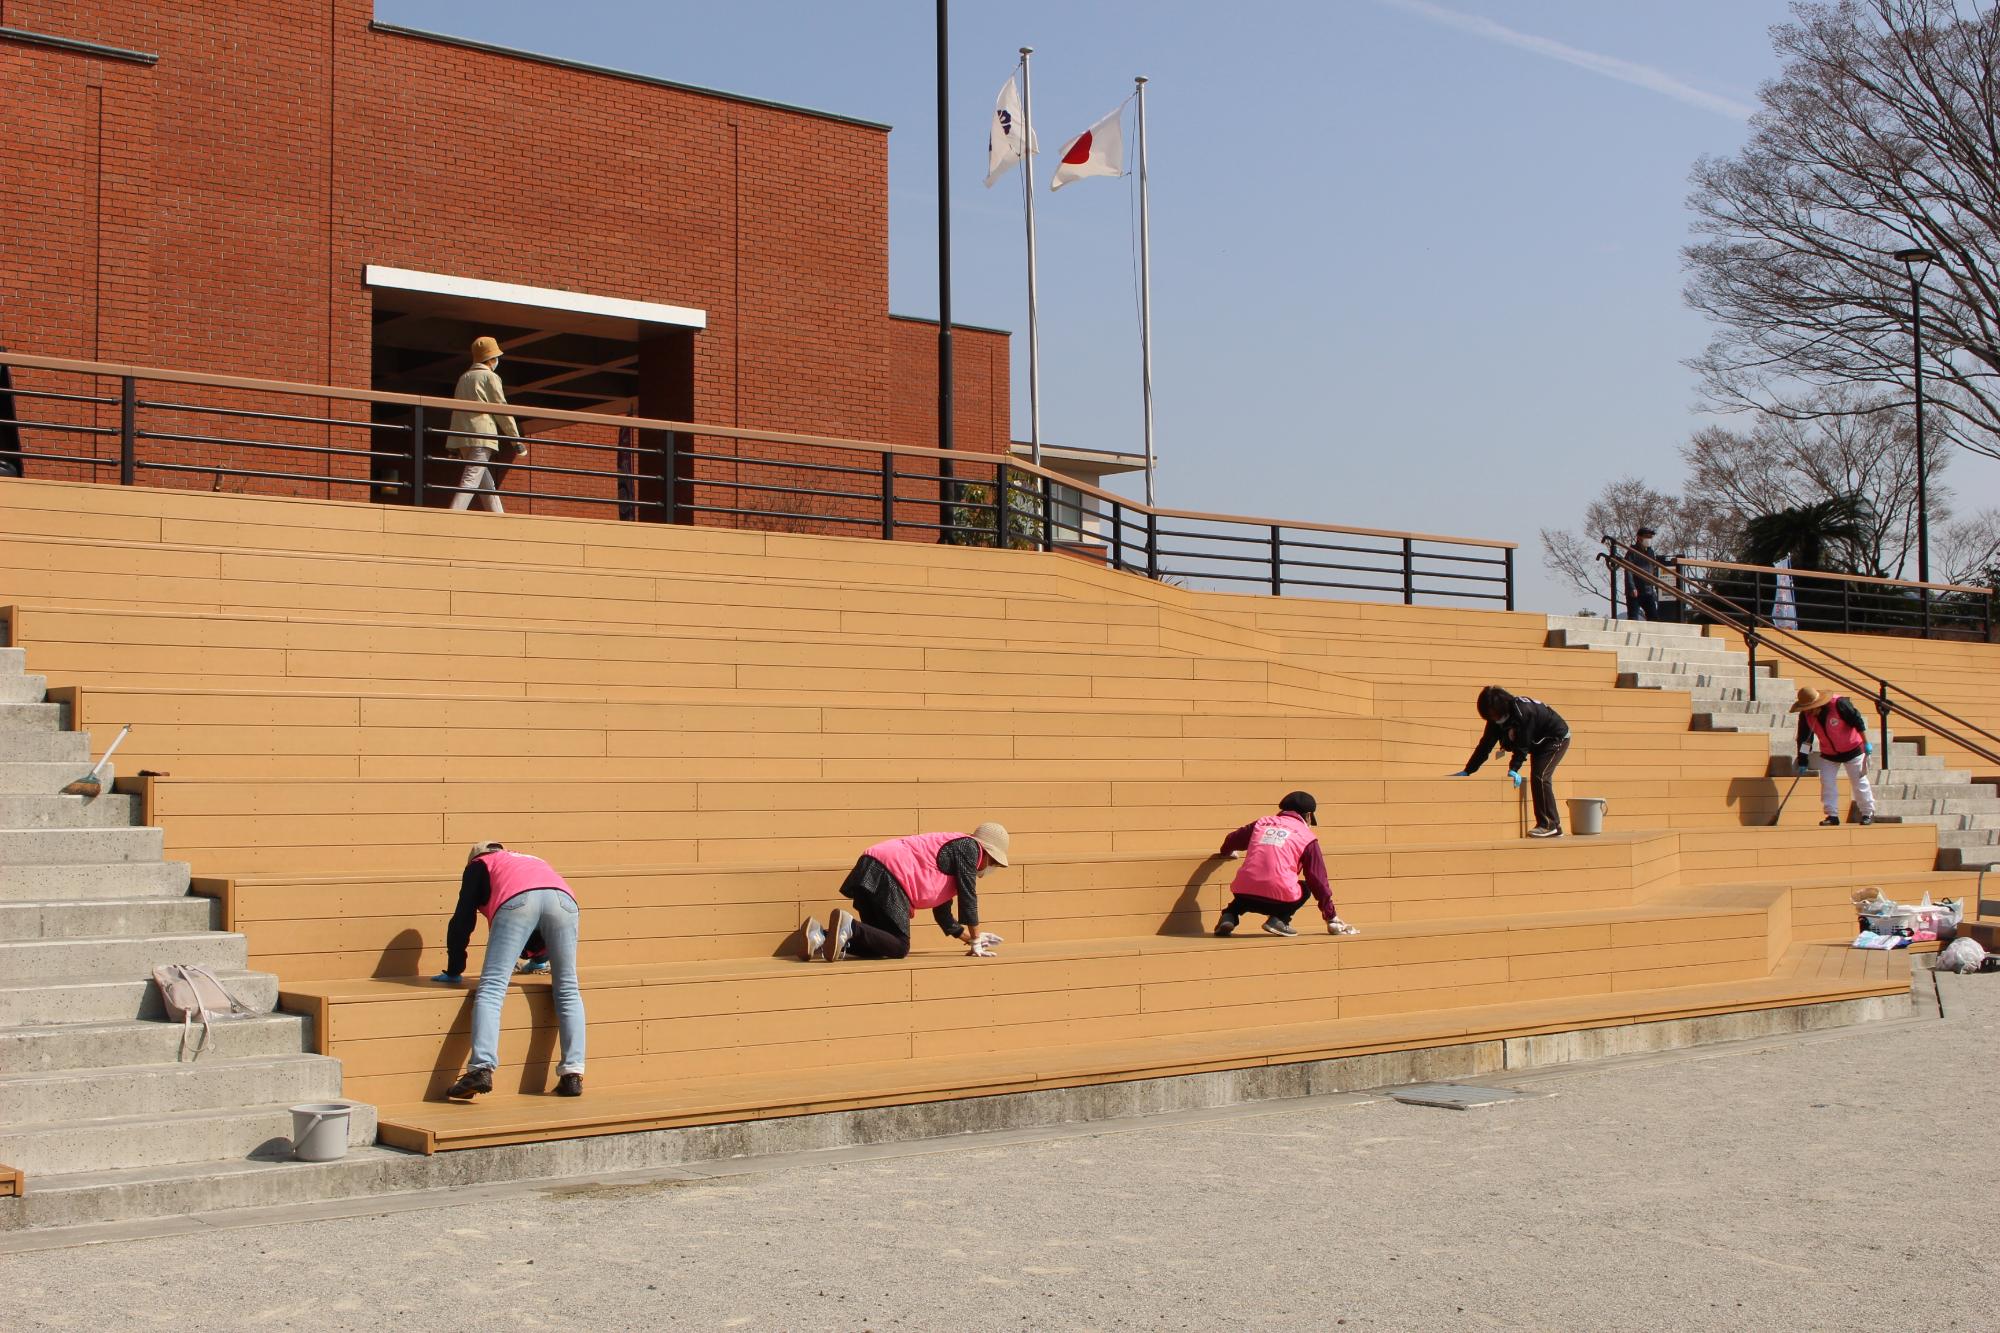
<point x="1642" y="598"/>
<point x="1281" y="861"/>
<point x="518" y="895"/>
<point x="1842" y="733"/>
<point x="894" y="878"/>
<point x="1528" y="728"/>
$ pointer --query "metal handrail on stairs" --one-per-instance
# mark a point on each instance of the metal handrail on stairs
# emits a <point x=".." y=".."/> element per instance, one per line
<point x="1755" y="627"/>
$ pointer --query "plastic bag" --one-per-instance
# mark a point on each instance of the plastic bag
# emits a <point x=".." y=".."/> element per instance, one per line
<point x="1963" y="955"/>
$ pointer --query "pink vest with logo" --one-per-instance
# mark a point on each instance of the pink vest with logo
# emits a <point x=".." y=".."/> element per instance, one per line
<point x="1836" y="734"/>
<point x="913" y="861"/>
<point x="515" y="873"/>
<point x="1270" y="868"/>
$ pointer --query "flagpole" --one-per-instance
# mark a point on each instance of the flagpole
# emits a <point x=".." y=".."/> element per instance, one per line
<point x="1145" y="291"/>
<point x="1028" y="193"/>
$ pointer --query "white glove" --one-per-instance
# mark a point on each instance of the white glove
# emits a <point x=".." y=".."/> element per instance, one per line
<point x="985" y="945"/>
<point x="1338" y="927"/>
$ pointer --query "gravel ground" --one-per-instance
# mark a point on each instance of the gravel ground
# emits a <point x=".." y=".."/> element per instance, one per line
<point x="1789" y="1185"/>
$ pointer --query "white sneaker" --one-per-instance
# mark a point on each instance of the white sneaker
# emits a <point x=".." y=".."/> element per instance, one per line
<point x="815" y="939"/>
<point x="843" y="930"/>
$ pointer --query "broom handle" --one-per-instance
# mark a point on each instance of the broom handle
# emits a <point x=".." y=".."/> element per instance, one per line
<point x="113" y="749"/>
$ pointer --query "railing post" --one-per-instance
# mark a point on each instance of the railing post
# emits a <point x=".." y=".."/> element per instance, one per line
<point x="1002" y="506"/>
<point x="1508" y="554"/>
<point x="1846" y="607"/>
<point x="417" y="456"/>
<point x="1882" y="712"/>
<point x="1750" y="638"/>
<point x="1409" y="573"/>
<point x="1986" y="616"/>
<point x="1117" y="536"/>
<point x="680" y="497"/>
<point x="888" y="496"/>
<point x="1277" y="557"/>
<point x="1611" y="572"/>
<point x="1048" y="513"/>
<point x="1152" y="544"/>
<point x="128" y="430"/>
<point x="1926" y="593"/>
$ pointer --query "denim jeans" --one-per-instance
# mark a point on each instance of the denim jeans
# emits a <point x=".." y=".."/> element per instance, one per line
<point x="554" y="912"/>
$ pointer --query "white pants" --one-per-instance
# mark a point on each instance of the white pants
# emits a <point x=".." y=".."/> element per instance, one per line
<point x="478" y="477"/>
<point x="1857" y="776"/>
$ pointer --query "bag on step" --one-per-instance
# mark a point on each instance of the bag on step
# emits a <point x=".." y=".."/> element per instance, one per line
<point x="194" y="994"/>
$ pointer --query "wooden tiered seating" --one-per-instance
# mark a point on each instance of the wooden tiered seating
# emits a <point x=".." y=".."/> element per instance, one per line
<point x="12" y="1183"/>
<point x="346" y="696"/>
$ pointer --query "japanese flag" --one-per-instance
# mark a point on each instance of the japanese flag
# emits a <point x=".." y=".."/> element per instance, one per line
<point x="1098" y="151"/>
<point x="1008" y="138"/>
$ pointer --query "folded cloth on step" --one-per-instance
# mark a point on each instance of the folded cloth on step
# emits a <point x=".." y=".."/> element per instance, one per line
<point x="1868" y="939"/>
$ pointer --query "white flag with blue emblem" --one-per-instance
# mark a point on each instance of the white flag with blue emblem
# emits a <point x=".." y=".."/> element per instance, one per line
<point x="1008" y="138"/>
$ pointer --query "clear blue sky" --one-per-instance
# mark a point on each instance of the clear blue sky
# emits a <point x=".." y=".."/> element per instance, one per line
<point x="1415" y="264"/>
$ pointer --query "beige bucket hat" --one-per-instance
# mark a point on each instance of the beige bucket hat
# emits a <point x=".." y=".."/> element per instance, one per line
<point x="485" y="348"/>
<point x="480" y="849"/>
<point x="993" y="838"/>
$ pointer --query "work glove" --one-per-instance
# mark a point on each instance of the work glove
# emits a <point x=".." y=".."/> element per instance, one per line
<point x="1463" y="773"/>
<point x="1335" y="926"/>
<point x="1803" y="759"/>
<point x="1868" y="747"/>
<point x="985" y="945"/>
<point x="449" y="978"/>
<point x="1514" y="776"/>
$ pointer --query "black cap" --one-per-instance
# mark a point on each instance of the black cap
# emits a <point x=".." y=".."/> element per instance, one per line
<point x="1647" y="532"/>
<point x="1301" y="803"/>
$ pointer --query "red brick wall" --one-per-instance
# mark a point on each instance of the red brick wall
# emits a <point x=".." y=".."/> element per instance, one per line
<point x="215" y="212"/>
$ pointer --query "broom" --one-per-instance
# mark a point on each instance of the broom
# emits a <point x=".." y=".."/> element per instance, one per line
<point x="1788" y="796"/>
<point x="88" y="785"/>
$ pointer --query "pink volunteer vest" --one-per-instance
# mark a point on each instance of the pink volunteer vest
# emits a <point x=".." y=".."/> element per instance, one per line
<point x="913" y="861"/>
<point x="1270" y="868"/>
<point x="515" y="873"/>
<point x="1836" y="734"/>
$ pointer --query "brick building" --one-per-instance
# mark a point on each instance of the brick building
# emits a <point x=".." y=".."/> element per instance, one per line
<point x="294" y="191"/>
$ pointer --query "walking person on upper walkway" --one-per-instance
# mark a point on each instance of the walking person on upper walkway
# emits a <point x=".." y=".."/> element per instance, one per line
<point x="476" y="435"/>
<point x="1282" y="861"/>
<point x="1527" y="728"/>
<point x="1842" y="733"/>
<point x="518" y="895"/>
<point x="1642" y="597"/>
<point x="892" y="879"/>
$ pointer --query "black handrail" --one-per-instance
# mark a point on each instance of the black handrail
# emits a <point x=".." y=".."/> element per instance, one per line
<point x="1754" y="626"/>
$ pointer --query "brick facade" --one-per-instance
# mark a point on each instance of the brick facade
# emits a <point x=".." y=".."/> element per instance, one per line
<point x="214" y="211"/>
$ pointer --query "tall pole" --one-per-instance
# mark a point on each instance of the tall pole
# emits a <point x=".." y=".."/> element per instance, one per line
<point x="1923" y="464"/>
<point x="946" y="490"/>
<point x="1034" y="345"/>
<point x="1145" y="292"/>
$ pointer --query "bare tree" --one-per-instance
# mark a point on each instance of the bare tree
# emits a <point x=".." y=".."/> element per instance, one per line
<point x="1700" y="528"/>
<point x="1853" y="448"/>
<point x="1882" y="132"/>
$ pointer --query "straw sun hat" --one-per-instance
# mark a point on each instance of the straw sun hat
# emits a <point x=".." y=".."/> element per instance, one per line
<point x="1810" y="699"/>
<point x="993" y="838"/>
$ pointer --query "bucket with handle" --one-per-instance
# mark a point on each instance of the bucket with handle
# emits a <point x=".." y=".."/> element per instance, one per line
<point x="319" y="1131"/>
<point x="1586" y="815"/>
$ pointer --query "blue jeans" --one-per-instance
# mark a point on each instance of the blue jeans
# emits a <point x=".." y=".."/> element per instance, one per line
<point x="554" y="913"/>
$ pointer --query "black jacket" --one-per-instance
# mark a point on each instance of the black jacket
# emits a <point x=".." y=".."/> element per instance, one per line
<point x="1529" y="725"/>
<point x="1848" y="714"/>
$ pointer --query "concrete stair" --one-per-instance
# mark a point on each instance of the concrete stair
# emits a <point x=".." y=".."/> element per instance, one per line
<point x="98" y="1107"/>
<point x="1915" y="788"/>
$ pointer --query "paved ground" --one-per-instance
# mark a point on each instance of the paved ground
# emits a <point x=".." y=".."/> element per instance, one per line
<point x="1810" y="1183"/>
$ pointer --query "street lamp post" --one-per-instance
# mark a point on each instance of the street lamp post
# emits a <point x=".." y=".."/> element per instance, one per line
<point x="1910" y="259"/>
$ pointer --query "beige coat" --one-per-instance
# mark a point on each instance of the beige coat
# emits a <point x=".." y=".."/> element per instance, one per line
<point x="480" y="384"/>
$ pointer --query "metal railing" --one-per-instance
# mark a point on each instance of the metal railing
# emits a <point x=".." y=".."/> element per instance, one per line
<point x="90" y="420"/>
<point x="1759" y="630"/>
<point x="1828" y="602"/>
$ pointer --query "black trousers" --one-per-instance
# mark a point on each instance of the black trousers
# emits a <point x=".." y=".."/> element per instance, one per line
<point x="1643" y="603"/>
<point x="1243" y="903"/>
<point x="878" y="934"/>
<point x="1542" y="761"/>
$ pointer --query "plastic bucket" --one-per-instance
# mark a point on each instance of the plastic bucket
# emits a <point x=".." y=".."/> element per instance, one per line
<point x="1586" y="815"/>
<point x="319" y="1131"/>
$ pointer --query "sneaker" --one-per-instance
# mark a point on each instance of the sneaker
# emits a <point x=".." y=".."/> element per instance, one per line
<point x="1546" y="831"/>
<point x="1867" y="819"/>
<point x="836" y="940"/>
<point x="470" y="1084"/>
<point x="569" y="1085"/>
<point x="1831" y="821"/>
<point x="814" y="941"/>
<point x="1275" y="926"/>
<point x="1226" y="924"/>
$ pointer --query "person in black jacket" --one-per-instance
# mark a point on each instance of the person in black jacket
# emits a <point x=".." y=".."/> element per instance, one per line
<point x="1528" y="728"/>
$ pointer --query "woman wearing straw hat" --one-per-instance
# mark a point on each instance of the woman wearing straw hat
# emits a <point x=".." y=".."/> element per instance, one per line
<point x="475" y="435"/>
<point x="1842" y="733"/>
<point x="894" y="878"/>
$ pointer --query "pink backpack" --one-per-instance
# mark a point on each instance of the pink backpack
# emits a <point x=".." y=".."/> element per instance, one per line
<point x="193" y="993"/>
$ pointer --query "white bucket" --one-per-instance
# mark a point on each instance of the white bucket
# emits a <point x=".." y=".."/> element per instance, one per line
<point x="319" y="1131"/>
<point x="1586" y="815"/>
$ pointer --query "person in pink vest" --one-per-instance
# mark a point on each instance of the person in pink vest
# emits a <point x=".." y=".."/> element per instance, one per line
<point x="1834" y="722"/>
<point x="1281" y="861"/>
<point x="895" y="878"/>
<point x="518" y="895"/>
